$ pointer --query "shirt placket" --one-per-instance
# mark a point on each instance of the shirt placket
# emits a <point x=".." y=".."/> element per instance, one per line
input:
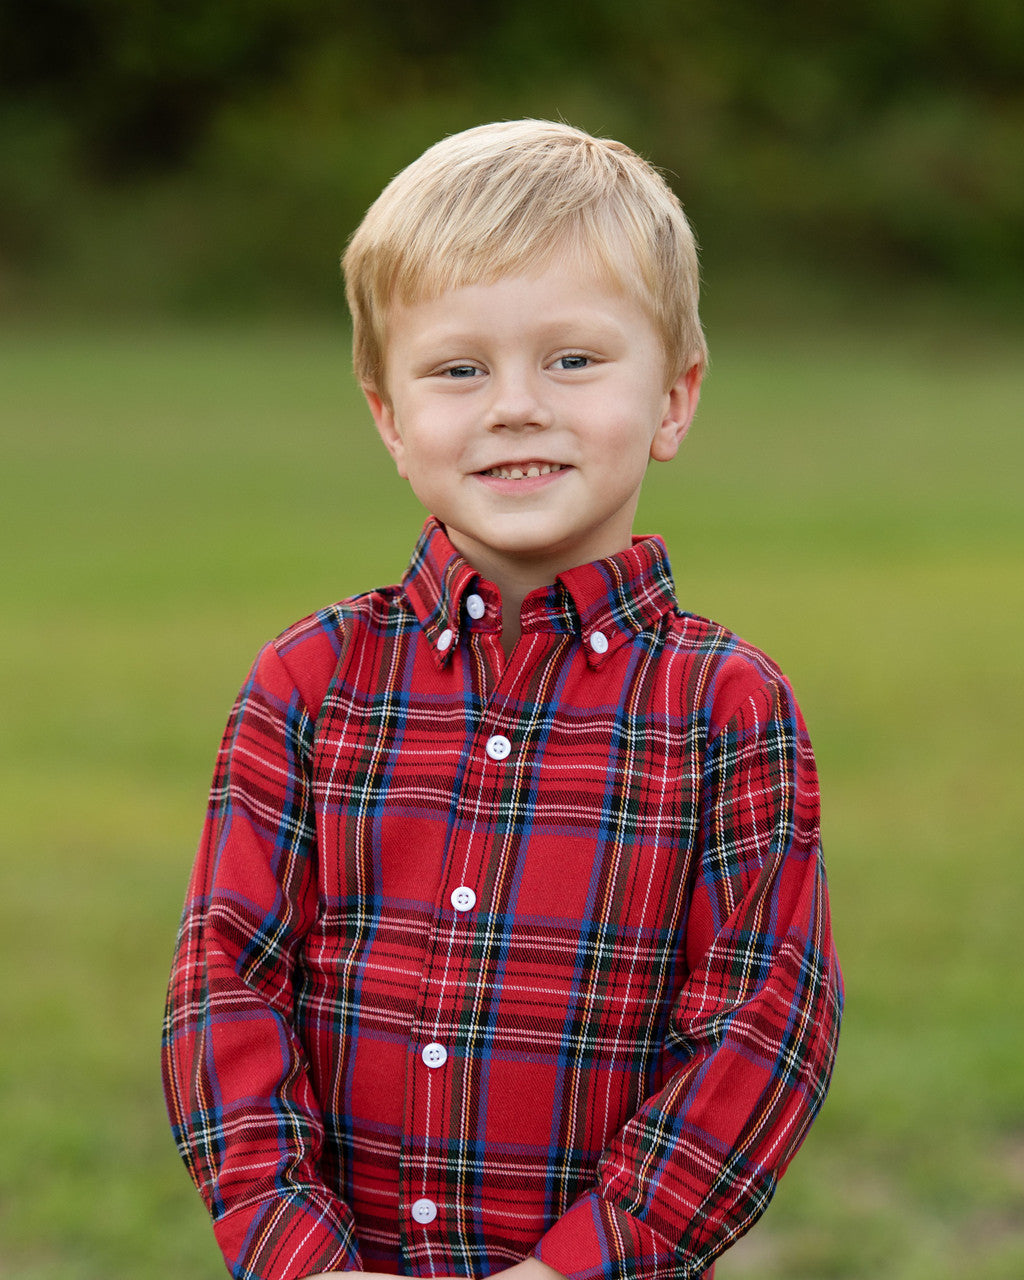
<point x="440" y="1103"/>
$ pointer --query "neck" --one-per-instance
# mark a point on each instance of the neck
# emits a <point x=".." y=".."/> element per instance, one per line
<point x="514" y="589"/>
<point x="514" y="581"/>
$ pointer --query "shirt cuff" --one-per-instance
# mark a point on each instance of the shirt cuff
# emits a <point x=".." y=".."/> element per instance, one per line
<point x="596" y="1241"/>
<point x="287" y="1238"/>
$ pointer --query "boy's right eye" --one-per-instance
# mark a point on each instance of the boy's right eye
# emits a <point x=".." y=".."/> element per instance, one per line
<point x="460" y="371"/>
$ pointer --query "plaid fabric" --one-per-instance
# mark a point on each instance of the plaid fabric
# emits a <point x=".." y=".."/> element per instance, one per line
<point x="608" y="1044"/>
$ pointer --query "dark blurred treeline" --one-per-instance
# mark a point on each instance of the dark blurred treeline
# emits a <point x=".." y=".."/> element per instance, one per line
<point x="210" y="154"/>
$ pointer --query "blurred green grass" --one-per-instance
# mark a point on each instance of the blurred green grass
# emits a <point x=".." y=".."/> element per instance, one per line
<point x="849" y="500"/>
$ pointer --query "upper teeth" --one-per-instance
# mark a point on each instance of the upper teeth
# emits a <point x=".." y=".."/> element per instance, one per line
<point x="524" y="472"/>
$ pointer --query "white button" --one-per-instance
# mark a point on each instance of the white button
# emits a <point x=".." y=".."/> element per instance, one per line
<point x="599" y="642"/>
<point x="475" y="606"/>
<point x="498" y="747"/>
<point x="463" y="898"/>
<point x="444" y="639"/>
<point x="424" y="1211"/>
<point x="434" y="1055"/>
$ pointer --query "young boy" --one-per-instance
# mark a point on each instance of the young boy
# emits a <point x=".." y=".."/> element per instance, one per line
<point x="507" y="946"/>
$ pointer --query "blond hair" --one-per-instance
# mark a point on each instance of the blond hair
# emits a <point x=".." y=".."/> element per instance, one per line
<point x="499" y="200"/>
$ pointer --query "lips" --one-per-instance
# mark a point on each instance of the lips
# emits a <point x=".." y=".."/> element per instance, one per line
<point x="522" y="470"/>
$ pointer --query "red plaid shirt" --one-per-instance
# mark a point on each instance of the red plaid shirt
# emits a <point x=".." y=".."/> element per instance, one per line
<point x="485" y="957"/>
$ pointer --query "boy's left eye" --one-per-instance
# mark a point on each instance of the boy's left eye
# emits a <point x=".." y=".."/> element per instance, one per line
<point x="572" y="361"/>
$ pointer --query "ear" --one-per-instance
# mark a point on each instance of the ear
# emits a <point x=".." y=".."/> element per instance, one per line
<point x="682" y="397"/>
<point x="384" y="418"/>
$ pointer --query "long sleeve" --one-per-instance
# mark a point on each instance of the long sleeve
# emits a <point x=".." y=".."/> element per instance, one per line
<point x="242" y="1109"/>
<point x="754" y="1028"/>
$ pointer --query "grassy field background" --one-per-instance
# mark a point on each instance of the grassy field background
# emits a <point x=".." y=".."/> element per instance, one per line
<point x="850" y="501"/>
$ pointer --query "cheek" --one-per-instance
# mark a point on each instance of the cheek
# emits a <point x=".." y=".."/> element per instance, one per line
<point x="425" y="461"/>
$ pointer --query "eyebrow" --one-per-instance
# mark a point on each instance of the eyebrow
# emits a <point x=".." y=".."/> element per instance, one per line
<point x="551" y="330"/>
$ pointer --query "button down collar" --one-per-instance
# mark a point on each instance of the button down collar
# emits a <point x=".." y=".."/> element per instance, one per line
<point x="441" y="588"/>
<point x="618" y="597"/>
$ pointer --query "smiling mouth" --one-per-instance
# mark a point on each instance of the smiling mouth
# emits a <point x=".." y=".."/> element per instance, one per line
<point x="523" y="470"/>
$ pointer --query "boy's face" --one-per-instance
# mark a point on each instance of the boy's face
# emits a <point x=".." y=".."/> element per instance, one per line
<point x="524" y="413"/>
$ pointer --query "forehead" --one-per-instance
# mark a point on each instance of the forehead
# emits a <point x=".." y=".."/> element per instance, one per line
<point x="605" y="273"/>
<point x="558" y="302"/>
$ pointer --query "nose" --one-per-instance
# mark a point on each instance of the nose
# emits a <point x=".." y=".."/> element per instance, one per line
<point x="517" y="401"/>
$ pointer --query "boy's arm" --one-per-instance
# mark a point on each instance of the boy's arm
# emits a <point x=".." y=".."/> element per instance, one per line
<point x="241" y="1106"/>
<point x="752" y="1037"/>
